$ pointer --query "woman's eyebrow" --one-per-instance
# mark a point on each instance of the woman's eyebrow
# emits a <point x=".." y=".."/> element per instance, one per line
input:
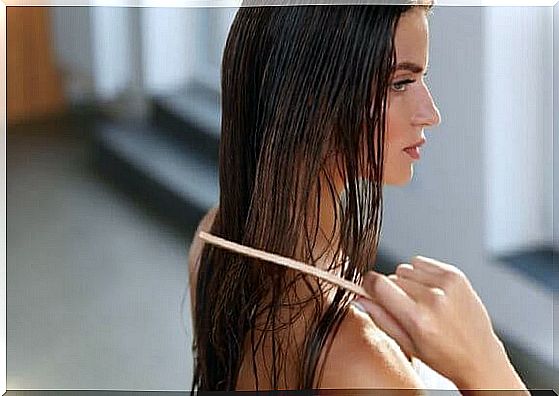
<point x="409" y="66"/>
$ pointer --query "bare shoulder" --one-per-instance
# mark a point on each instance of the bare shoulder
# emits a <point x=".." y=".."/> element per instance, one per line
<point x="197" y="244"/>
<point x="364" y="356"/>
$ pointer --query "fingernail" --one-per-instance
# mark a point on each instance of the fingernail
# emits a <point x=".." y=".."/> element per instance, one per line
<point x="359" y="306"/>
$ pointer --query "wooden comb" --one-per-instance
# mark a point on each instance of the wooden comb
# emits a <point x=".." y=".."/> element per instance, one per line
<point x="285" y="261"/>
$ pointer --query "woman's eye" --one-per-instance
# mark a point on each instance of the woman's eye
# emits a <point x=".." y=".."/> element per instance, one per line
<point x="400" y="86"/>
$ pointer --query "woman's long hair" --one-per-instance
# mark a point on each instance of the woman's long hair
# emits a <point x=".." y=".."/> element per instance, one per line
<point x="298" y="84"/>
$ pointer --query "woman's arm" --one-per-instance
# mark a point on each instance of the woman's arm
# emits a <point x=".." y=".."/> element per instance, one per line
<point x="194" y="254"/>
<point x="494" y="372"/>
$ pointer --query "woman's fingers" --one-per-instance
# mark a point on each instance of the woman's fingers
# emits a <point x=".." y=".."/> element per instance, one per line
<point x="388" y="324"/>
<point x="428" y="264"/>
<point x="426" y="278"/>
<point x="417" y="291"/>
<point x="446" y="276"/>
<point x="391" y="297"/>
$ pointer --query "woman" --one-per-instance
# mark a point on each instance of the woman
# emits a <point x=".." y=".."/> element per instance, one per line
<point x="322" y="106"/>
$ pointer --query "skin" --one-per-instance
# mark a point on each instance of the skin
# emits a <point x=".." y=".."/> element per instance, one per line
<point x="410" y="105"/>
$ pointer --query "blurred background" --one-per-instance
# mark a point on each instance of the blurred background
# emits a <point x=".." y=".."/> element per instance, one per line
<point x="112" y="153"/>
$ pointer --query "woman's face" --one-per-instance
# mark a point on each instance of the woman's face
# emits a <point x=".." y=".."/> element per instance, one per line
<point x="410" y="105"/>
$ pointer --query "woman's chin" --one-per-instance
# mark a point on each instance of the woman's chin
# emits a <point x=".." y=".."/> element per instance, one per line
<point x="400" y="181"/>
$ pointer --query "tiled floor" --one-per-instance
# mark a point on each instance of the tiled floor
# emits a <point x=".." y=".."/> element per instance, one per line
<point x="94" y="281"/>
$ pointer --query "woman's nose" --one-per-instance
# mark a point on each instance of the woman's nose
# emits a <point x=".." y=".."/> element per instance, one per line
<point x="427" y="114"/>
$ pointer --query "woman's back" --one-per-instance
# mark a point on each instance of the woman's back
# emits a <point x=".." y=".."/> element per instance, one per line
<point x="360" y="356"/>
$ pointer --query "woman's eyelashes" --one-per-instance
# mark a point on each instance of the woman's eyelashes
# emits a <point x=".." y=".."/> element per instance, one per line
<point x="400" y="86"/>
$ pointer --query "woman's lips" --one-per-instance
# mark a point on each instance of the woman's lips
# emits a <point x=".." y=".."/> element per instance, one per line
<point x="413" y="152"/>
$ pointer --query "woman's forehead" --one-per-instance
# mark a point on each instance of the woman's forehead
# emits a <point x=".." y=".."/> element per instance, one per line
<point x="412" y="38"/>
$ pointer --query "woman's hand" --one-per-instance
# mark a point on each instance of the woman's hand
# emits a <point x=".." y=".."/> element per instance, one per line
<point x="432" y="311"/>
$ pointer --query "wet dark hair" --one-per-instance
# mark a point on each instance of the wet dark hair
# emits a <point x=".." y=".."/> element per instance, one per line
<point x="298" y="84"/>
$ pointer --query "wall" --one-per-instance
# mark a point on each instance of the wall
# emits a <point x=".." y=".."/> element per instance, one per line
<point x="555" y="200"/>
<point x="169" y="51"/>
<point x="71" y="29"/>
<point x="518" y="127"/>
<point x="104" y="57"/>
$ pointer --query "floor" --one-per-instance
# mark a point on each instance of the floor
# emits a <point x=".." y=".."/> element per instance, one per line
<point x="95" y="281"/>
